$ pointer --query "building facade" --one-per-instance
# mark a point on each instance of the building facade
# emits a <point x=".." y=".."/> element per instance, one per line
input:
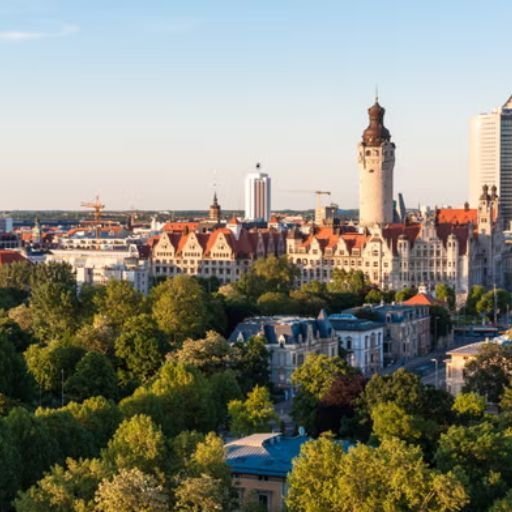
<point x="363" y="340"/>
<point x="491" y="156"/>
<point x="257" y="196"/>
<point x="289" y="341"/>
<point x="225" y="252"/>
<point x="259" y="466"/>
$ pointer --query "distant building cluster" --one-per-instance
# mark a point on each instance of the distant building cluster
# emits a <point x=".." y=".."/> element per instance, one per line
<point x="393" y="247"/>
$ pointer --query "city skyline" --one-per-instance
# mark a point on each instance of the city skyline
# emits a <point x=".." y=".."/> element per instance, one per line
<point x="150" y="105"/>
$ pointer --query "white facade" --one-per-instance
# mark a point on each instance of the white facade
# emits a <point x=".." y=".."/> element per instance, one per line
<point x="491" y="156"/>
<point x="98" y="266"/>
<point x="6" y="224"/>
<point x="362" y="339"/>
<point x="257" y="197"/>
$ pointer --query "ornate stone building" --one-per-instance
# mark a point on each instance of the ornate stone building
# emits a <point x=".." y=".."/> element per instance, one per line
<point x="460" y="247"/>
<point x="225" y="252"/>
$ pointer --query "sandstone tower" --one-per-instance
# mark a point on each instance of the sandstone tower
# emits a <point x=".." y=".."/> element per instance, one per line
<point x="376" y="158"/>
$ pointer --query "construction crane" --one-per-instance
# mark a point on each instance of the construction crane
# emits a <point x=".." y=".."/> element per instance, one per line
<point x="95" y="205"/>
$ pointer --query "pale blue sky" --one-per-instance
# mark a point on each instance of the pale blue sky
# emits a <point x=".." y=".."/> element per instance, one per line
<point x="144" y="101"/>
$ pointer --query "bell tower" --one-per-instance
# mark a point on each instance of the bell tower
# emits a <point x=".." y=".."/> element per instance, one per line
<point x="376" y="158"/>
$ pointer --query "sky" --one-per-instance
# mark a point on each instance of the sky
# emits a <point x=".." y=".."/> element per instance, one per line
<point x="152" y="104"/>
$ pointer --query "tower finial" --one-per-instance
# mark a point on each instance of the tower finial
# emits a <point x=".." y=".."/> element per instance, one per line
<point x="376" y="93"/>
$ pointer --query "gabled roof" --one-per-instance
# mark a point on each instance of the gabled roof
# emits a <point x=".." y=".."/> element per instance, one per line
<point x="456" y="216"/>
<point x="421" y="299"/>
<point x="7" y="257"/>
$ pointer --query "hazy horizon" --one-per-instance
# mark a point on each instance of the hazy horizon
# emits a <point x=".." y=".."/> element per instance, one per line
<point x="148" y="104"/>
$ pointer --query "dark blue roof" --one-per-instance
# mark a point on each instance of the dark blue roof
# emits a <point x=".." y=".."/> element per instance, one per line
<point x="345" y="323"/>
<point x="292" y="329"/>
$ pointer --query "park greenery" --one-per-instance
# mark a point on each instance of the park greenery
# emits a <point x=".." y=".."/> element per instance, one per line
<point x="114" y="401"/>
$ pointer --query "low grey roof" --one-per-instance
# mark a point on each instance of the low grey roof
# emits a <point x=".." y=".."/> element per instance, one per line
<point x="345" y="323"/>
<point x="263" y="454"/>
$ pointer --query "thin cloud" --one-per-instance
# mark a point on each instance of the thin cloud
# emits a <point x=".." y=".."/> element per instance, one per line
<point x="17" y="36"/>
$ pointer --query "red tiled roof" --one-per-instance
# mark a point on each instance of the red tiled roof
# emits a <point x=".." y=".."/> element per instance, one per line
<point x="7" y="257"/>
<point x="421" y="299"/>
<point x="456" y="216"/>
<point x="180" y="226"/>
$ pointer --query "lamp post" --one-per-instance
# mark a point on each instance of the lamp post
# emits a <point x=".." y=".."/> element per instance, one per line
<point x="436" y="362"/>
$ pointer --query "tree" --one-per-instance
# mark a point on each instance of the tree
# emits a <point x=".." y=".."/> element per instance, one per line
<point x="475" y="294"/>
<point x="10" y="459"/>
<point x="98" y="336"/>
<point x="131" y="490"/>
<point x="223" y="388"/>
<point x="252" y="363"/>
<point x="53" y="301"/>
<point x="504" y="504"/>
<point x="401" y="387"/>
<point x="22" y="315"/>
<point x="93" y="376"/>
<point x="269" y="274"/>
<point x="137" y="443"/>
<point x="15" y="334"/>
<point x="119" y="302"/>
<point x="276" y="303"/>
<point x="499" y="298"/>
<point x="210" y="354"/>
<point x="180" y="308"/>
<point x="440" y="322"/>
<point x="353" y="281"/>
<point x="15" y="283"/>
<point x="66" y="489"/>
<point x="255" y="414"/>
<point x="405" y="293"/>
<point x="139" y="349"/>
<point x="33" y="443"/>
<point x="506" y="399"/>
<point x="392" y="476"/>
<point x="374" y="296"/>
<point x="325" y="392"/>
<point x="481" y="454"/>
<point x="201" y="494"/>
<point x="318" y="373"/>
<point x="469" y="406"/>
<point x="49" y="364"/>
<point x="445" y="294"/>
<point x="177" y="399"/>
<point x="14" y="380"/>
<point x="489" y="372"/>
<point x="390" y="420"/>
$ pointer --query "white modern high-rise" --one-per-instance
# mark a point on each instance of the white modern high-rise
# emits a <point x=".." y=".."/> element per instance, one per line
<point x="257" y="196"/>
<point x="491" y="157"/>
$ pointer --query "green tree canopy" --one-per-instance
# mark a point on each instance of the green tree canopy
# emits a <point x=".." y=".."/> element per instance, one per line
<point x="353" y="281"/>
<point x="210" y="354"/>
<point x="131" y="490"/>
<point x="64" y="489"/>
<point x="14" y="380"/>
<point x="137" y="443"/>
<point x="93" y="376"/>
<point x="482" y="455"/>
<point x="475" y="294"/>
<point x="390" y="477"/>
<point x="139" y="350"/>
<point x="180" y="308"/>
<point x="489" y="372"/>
<point x="119" y="302"/>
<point x="269" y="274"/>
<point x="53" y="301"/>
<point x="469" y="406"/>
<point x="252" y="362"/>
<point x="446" y="294"/>
<point x="255" y="414"/>
<point x="405" y="293"/>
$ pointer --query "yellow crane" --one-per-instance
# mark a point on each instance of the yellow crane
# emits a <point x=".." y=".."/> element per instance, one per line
<point x="95" y="205"/>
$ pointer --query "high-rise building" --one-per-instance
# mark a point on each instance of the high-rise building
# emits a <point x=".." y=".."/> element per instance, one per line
<point x="257" y="196"/>
<point x="491" y="157"/>
<point x="376" y="157"/>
